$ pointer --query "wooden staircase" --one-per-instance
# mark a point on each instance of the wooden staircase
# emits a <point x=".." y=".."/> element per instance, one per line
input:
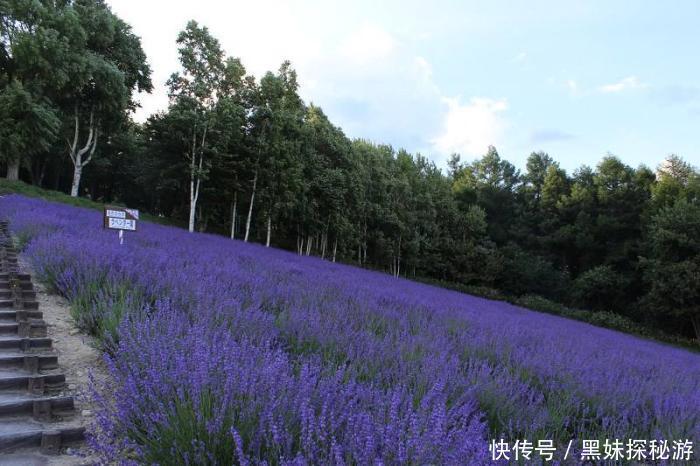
<point x="37" y="420"/>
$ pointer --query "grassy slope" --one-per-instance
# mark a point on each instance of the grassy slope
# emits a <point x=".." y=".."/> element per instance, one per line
<point x="601" y="319"/>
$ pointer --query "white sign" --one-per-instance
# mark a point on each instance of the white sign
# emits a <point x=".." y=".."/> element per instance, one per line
<point x="121" y="224"/>
<point x="115" y="213"/>
<point x="120" y="218"/>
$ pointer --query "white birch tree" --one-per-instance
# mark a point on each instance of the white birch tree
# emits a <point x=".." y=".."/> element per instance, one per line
<point x="81" y="156"/>
<point x="194" y="91"/>
<point x="111" y="66"/>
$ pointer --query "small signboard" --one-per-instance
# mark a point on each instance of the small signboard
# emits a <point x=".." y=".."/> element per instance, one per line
<point x="120" y="218"/>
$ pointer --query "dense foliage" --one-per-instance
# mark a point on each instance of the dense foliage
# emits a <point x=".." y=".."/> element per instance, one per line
<point x="68" y="70"/>
<point x="247" y="158"/>
<point x="224" y="352"/>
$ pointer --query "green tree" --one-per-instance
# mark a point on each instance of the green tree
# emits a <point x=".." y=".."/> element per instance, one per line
<point x="555" y="186"/>
<point x="27" y="126"/>
<point x="111" y="67"/>
<point x="36" y="57"/>
<point x="534" y="178"/>
<point x="322" y="203"/>
<point x="493" y="182"/>
<point x="672" y="263"/>
<point x="194" y="95"/>
<point x="281" y="168"/>
<point x="599" y="288"/>
<point x="676" y="179"/>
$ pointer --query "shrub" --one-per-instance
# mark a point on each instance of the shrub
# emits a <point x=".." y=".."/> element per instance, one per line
<point x="599" y="288"/>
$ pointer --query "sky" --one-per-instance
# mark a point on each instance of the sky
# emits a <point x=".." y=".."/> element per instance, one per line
<point x="576" y="79"/>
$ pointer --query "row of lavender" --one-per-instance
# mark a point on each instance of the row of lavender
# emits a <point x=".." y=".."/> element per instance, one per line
<point x="223" y="351"/>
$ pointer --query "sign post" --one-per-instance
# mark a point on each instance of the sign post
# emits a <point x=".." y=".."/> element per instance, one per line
<point x="120" y="218"/>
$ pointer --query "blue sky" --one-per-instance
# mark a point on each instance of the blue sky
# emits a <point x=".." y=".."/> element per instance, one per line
<point x="576" y="79"/>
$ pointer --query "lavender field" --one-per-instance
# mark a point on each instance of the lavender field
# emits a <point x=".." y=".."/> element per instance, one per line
<point x="225" y="352"/>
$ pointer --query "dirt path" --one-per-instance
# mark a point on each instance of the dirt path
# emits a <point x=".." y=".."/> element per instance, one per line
<point x="77" y="352"/>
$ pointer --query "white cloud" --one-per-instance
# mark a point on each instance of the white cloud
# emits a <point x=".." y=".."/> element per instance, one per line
<point x="387" y="95"/>
<point x="520" y="58"/>
<point x="158" y="24"/>
<point x="367" y="44"/>
<point x="470" y="128"/>
<point x="424" y="67"/>
<point x="572" y="86"/>
<point x="367" y="79"/>
<point x="628" y="83"/>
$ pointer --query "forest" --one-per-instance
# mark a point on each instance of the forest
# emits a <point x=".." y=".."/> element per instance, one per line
<point x="246" y="157"/>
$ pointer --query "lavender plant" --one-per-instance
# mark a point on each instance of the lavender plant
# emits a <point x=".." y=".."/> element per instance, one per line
<point x="225" y="352"/>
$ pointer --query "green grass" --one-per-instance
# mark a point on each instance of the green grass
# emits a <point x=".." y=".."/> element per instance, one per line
<point x="20" y="187"/>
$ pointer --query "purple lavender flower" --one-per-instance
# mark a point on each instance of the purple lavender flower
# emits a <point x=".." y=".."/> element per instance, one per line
<point x="225" y="352"/>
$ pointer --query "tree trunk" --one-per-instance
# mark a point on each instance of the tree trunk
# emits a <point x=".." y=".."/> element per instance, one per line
<point x="77" y="173"/>
<point x="193" y="198"/>
<point x="192" y="214"/>
<point x="76" y="155"/>
<point x="195" y="181"/>
<point x="204" y="220"/>
<point x="250" y="207"/>
<point x="696" y="326"/>
<point x="335" y="247"/>
<point x="398" y="259"/>
<point x="39" y="180"/>
<point x="364" y="245"/>
<point x="38" y="170"/>
<point x="233" y="215"/>
<point x="13" y="169"/>
<point x="269" y="230"/>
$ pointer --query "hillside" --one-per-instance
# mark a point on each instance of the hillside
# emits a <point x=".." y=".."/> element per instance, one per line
<point x="225" y="351"/>
<point x="534" y="302"/>
<point x="29" y="190"/>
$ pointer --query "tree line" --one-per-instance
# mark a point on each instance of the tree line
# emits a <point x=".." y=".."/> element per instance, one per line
<point x="247" y="157"/>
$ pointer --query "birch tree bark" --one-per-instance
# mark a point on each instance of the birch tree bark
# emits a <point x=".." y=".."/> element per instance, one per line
<point x="250" y="207"/>
<point x="76" y="154"/>
<point x="233" y="215"/>
<point x="196" y="164"/>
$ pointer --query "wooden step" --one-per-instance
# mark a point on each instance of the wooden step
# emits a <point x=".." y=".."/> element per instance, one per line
<point x="29" y="295"/>
<point x="31" y="362"/>
<point x="14" y="342"/>
<point x="17" y="316"/>
<point x="35" y="383"/>
<point x="40" y="408"/>
<point x="30" y="417"/>
<point x="30" y="329"/>
<point x="24" y="434"/>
